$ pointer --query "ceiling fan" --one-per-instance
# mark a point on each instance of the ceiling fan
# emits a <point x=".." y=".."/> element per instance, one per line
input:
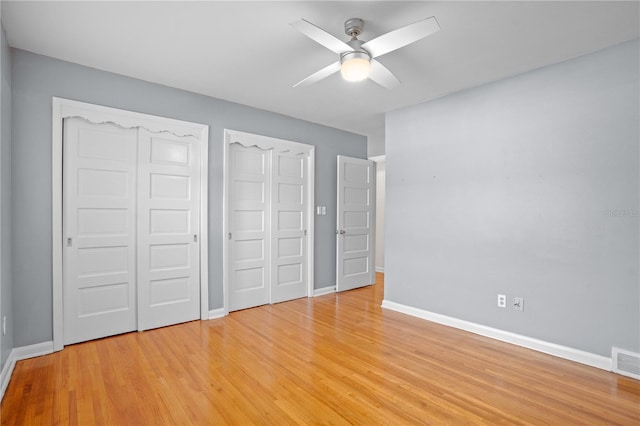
<point x="357" y="58"/>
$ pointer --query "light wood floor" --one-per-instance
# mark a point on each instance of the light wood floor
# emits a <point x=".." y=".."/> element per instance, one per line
<point x="335" y="359"/>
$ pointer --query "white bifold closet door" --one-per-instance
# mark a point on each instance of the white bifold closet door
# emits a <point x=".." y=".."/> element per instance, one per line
<point x="289" y="248"/>
<point x="168" y="226"/>
<point x="249" y="225"/>
<point x="99" y="260"/>
<point x="130" y="221"/>
<point x="268" y="223"/>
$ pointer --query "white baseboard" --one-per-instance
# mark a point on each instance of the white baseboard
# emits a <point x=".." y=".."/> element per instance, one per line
<point x="5" y="375"/>
<point x="217" y="313"/>
<point x="380" y="269"/>
<point x="324" y="290"/>
<point x="560" y="351"/>
<point x="33" y="351"/>
<point x="18" y="354"/>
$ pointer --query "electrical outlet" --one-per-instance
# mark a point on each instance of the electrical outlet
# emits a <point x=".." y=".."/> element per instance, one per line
<point x="502" y="301"/>
<point x="4" y="325"/>
<point x="518" y="304"/>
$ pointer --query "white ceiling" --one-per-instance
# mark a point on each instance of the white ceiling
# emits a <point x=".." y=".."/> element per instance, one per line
<point x="247" y="53"/>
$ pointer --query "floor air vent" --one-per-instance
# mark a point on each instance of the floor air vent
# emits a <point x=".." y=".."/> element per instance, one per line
<point x="626" y="363"/>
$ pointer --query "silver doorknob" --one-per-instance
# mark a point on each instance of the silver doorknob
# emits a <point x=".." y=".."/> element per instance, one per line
<point x="342" y="232"/>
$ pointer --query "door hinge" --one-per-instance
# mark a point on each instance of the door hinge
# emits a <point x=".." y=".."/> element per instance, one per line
<point x="195" y="238"/>
<point x="69" y="242"/>
<point x="229" y="235"/>
<point x="305" y="232"/>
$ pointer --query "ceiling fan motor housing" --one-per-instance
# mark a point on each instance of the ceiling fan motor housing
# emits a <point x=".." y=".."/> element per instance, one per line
<point x="353" y="27"/>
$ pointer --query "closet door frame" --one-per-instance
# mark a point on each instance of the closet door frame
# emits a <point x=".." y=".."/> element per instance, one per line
<point x="277" y="145"/>
<point x="66" y="108"/>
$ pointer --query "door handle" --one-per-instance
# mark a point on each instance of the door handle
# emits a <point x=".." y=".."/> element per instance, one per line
<point x="342" y="232"/>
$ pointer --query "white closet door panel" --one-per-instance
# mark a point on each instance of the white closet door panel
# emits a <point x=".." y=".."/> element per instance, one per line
<point x="168" y="229"/>
<point x="356" y="203"/>
<point x="99" y="228"/>
<point x="289" y="207"/>
<point x="249" y="221"/>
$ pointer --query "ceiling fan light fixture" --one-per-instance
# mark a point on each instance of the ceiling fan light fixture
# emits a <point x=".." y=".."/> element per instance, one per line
<point x="355" y="66"/>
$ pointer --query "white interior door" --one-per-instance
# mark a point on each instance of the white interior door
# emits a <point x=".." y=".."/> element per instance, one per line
<point x="289" y="233"/>
<point x="99" y="278"/>
<point x="249" y="222"/>
<point x="168" y="229"/>
<point x="355" y="233"/>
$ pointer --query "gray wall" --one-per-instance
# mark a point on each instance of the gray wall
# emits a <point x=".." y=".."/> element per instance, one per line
<point x="527" y="186"/>
<point x="37" y="78"/>
<point x="5" y="198"/>
<point x="375" y="144"/>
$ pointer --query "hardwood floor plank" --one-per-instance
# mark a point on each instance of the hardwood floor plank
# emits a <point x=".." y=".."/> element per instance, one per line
<point x="335" y="359"/>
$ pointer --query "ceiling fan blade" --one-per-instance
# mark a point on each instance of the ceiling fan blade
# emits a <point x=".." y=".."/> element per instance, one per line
<point x="319" y="75"/>
<point x="319" y="35"/>
<point x="381" y="75"/>
<point x="401" y="37"/>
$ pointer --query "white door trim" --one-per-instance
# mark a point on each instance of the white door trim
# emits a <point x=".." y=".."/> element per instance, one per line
<point x="65" y="108"/>
<point x="278" y="145"/>
<point x="378" y="158"/>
